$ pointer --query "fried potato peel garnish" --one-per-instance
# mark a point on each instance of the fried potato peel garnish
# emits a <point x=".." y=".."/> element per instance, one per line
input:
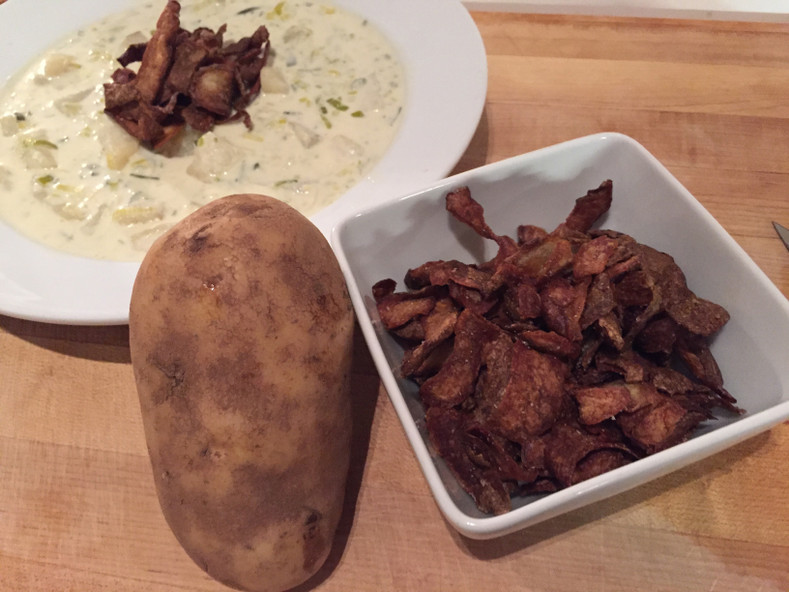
<point x="568" y="354"/>
<point x="185" y="78"/>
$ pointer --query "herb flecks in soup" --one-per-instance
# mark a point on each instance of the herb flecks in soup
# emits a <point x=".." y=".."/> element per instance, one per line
<point x="331" y="94"/>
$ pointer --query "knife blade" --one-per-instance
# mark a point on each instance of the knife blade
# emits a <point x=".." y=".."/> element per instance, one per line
<point x="783" y="233"/>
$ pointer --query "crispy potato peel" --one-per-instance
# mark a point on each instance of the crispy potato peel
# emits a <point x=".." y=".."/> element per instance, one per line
<point x="184" y="78"/>
<point x="566" y="355"/>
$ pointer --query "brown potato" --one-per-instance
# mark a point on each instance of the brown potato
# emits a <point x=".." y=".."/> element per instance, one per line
<point x="240" y="330"/>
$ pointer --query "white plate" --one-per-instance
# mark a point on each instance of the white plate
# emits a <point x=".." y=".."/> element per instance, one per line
<point x="540" y="188"/>
<point x="446" y="77"/>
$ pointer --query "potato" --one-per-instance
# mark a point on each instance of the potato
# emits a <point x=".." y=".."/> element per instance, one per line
<point x="240" y="330"/>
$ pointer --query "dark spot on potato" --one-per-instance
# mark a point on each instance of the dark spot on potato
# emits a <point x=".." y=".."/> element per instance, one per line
<point x="312" y="359"/>
<point x="310" y="289"/>
<point x="250" y="207"/>
<point x="244" y="386"/>
<point x="314" y="543"/>
<point x="175" y="375"/>
<point x="256" y="289"/>
<point x="327" y="377"/>
<point x="210" y="454"/>
<point x="212" y="282"/>
<point x="260" y="499"/>
<point x="198" y="240"/>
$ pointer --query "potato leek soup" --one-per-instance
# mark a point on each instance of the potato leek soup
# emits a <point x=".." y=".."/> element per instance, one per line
<point x="332" y="92"/>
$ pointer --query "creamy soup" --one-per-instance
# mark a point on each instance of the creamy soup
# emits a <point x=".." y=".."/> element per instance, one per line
<point x="332" y="95"/>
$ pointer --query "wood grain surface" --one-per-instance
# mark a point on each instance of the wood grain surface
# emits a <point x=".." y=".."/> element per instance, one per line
<point x="78" y="510"/>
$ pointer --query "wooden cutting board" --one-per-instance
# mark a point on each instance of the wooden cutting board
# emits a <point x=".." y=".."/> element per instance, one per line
<point x="78" y="510"/>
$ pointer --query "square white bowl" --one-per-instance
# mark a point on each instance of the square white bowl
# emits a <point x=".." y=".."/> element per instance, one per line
<point x="540" y="188"/>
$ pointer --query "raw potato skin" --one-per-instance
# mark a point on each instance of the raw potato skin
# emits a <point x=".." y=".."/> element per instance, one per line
<point x="240" y="331"/>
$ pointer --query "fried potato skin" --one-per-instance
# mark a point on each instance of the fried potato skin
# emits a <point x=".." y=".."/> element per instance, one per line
<point x="241" y="334"/>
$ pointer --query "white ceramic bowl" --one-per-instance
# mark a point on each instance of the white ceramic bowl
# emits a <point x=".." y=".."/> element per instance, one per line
<point x="540" y="188"/>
